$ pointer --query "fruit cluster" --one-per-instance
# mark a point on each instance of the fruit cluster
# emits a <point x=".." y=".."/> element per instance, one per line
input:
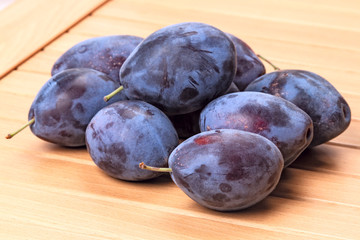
<point x="190" y="81"/>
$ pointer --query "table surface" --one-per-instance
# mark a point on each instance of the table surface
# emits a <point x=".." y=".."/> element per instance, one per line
<point x="50" y="192"/>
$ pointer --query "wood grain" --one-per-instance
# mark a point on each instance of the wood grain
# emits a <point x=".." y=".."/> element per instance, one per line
<point x="50" y="192"/>
<point x="26" y="26"/>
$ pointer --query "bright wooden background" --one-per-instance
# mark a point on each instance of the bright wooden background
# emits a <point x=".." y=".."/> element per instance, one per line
<point x="49" y="192"/>
<point x="26" y="26"/>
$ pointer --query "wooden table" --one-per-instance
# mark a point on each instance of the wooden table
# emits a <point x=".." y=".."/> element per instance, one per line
<point x="49" y="192"/>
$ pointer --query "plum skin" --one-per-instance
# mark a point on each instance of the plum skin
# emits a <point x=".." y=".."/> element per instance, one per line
<point x="226" y="169"/>
<point x="105" y="54"/>
<point x="66" y="103"/>
<point x="126" y="133"/>
<point x="277" y="119"/>
<point x="180" y="68"/>
<point x="329" y="111"/>
<point x="249" y="67"/>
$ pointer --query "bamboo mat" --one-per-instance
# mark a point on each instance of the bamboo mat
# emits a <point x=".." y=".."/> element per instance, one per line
<point x="49" y="192"/>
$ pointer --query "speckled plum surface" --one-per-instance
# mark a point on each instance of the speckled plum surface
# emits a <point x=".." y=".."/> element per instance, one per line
<point x="66" y="103"/>
<point x="277" y="119"/>
<point x="226" y="169"/>
<point x="312" y="93"/>
<point x="129" y="132"/>
<point x="180" y="68"/>
<point x="249" y="67"/>
<point x="105" y="54"/>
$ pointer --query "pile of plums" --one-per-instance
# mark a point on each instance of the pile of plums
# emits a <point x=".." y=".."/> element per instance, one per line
<point x="190" y="100"/>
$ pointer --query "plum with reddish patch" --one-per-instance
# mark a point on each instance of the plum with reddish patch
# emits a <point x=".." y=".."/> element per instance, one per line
<point x="126" y="133"/>
<point x="312" y="93"/>
<point x="226" y="169"/>
<point x="66" y="103"/>
<point x="277" y="119"/>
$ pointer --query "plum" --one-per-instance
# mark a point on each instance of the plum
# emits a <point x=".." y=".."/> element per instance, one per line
<point x="277" y="119"/>
<point x="312" y="93"/>
<point x="125" y="133"/>
<point x="180" y="68"/>
<point x="105" y="54"/>
<point x="249" y="67"/>
<point x="225" y="169"/>
<point x="66" y="103"/>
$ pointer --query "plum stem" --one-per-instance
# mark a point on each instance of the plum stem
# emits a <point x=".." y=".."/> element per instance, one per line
<point x="10" y="135"/>
<point x="142" y="165"/>
<point x="266" y="60"/>
<point x="109" y="96"/>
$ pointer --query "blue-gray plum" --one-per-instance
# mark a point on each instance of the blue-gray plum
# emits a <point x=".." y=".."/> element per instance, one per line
<point x="66" y="103"/>
<point x="249" y="67"/>
<point x="180" y="68"/>
<point x="226" y="169"/>
<point x="105" y="54"/>
<point x="277" y="119"/>
<point x="312" y="93"/>
<point x="125" y="133"/>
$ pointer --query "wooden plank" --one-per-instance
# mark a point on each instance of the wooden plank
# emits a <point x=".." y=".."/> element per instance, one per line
<point x="330" y="158"/>
<point x="67" y="40"/>
<point x="243" y="24"/>
<point x="82" y="218"/>
<point x="296" y="13"/>
<point x="351" y="137"/>
<point x="27" y="26"/>
<point x="44" y="189"/>
<point x="109" y="26"/>
<point x="23" y="83"/>
<point x="43" y="61"/>
<point x="349" y="5"/>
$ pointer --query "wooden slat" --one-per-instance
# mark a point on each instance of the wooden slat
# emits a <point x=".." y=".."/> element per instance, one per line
<point x="108" y="26"/>
<point x="308" y="190"/>
<point x="255" y="24"/>
<point x="27" y="26"/>
<point x="329" y="158"/>
<point x="79" y="217"/>
<point x="43" y="61"/>
<point x="351" y="137"/>
<point x="23" y="83"/>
